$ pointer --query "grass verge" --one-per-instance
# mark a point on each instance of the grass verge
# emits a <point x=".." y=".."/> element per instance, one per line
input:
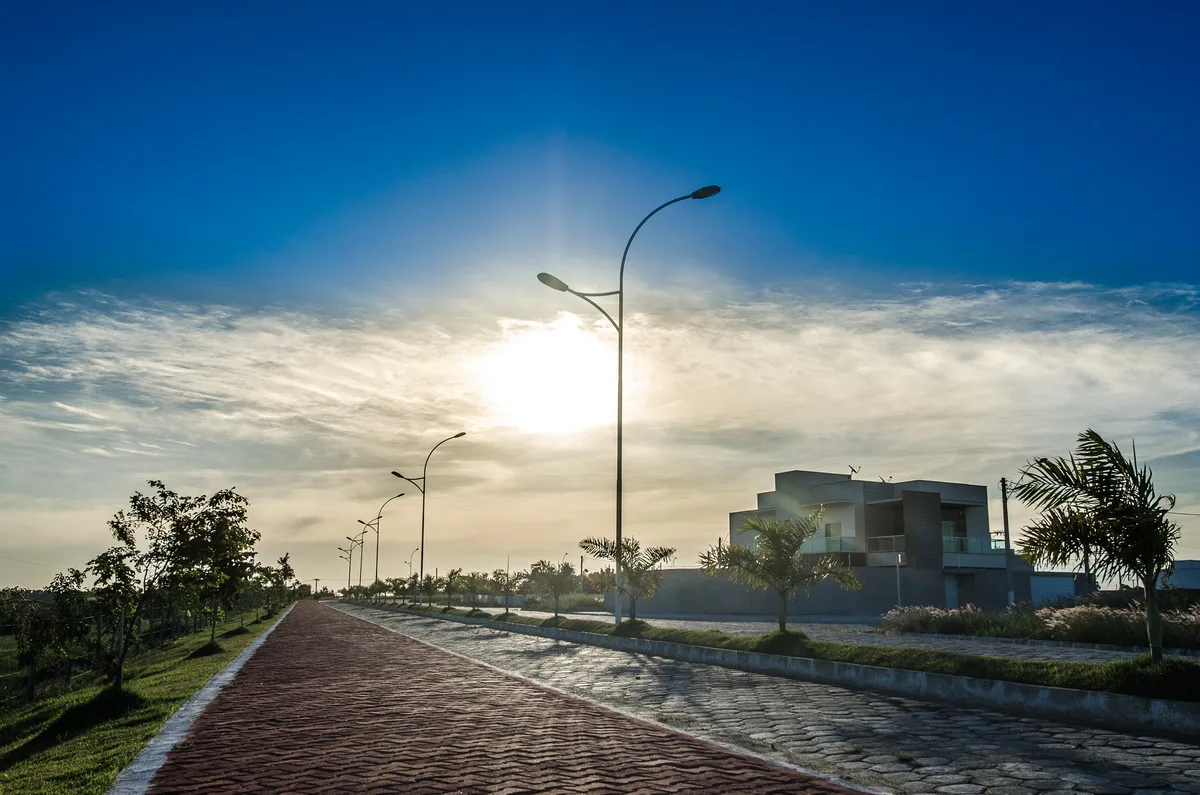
<point x="1173" y="678"/>
<point x="78" y="742"/>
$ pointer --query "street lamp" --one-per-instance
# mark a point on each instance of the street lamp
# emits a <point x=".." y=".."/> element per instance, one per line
<point x="558" y="284"/>
<point x="349" y="558"/>
<point x="358" y="539"/>
<point x="410" y="557"/>
<point x="421" y="485"/>
<point x="374" y="525"/>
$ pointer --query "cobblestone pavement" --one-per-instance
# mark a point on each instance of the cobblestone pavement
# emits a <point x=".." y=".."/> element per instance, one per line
<point x="864" y="634"/>
<point x="331" y="704"/>
<point x="877" y="741"/>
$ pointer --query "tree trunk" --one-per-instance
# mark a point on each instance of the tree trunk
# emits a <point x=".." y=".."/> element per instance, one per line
<point x="783" y="600"/>
<point x="212" y="635"/>
<point x="31" y="681"/>
<point x="1153" y="620"/>
<point x="121" y="651"/>
<point x="556" y="605"/>
<point x="632" y="606"/>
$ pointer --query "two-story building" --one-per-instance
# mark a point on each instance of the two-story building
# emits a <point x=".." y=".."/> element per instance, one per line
<point x="917" y="542"/>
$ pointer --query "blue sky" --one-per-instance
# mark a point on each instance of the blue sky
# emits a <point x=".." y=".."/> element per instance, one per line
<point x="285" y="246"/>
<point x="1029" y="141"/>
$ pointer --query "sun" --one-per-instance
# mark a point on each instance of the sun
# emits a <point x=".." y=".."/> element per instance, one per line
<point x="551" y="378"/>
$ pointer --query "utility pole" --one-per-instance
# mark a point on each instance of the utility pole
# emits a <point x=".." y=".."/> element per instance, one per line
<point x="316" y="582"/>
<point x="1008" y="585"/>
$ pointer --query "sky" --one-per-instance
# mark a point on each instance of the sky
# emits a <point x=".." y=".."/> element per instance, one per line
<point x="289" y="248"/>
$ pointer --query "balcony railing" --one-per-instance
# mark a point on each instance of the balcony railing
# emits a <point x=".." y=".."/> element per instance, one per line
<point x="885" y="544"/>
<point x="820" y="546"/>
<point x="973" y="546"/>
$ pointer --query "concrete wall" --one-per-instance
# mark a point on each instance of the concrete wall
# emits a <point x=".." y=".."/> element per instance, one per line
<point x="923" y="530"/>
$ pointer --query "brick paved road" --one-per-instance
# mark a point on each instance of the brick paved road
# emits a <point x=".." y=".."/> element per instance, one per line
<point x="865" y="634"/>
<point x="887" y="743"/>
<point x="333" y="704"/>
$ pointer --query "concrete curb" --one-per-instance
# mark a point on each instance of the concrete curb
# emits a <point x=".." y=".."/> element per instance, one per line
<point x="1040" y="642"/>
<point x="1123" y="713"/>
<point x="135" y="778"/>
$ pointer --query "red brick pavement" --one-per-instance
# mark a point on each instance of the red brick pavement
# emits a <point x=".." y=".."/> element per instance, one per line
<point x="333" y="704"/>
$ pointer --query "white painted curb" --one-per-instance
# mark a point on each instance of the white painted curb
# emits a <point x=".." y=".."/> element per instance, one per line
<point x="136" y="777"/>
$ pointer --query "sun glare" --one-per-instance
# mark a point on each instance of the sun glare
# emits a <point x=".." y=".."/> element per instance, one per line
<point x="556" y="377"/>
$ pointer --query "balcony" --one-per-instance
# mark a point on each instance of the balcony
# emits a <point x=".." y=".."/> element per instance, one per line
<point x="885" y="544"/>
<point x="822" y="546"/>
<point x="960" y="545"/>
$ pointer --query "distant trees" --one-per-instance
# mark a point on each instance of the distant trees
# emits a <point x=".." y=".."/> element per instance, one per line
<point x="640" y="572"/>
<point x="776" y="561"/>
<point x="1099" y="504"/>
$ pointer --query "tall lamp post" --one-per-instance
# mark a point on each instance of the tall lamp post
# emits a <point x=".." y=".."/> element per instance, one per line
<point x="358" y="539"/>
<point x="410" y="557"/>
<point x="349" y="558"/>
<point x="618" y="324"/>
<point x="420" y="484"/>
<point x="374" y="525"/>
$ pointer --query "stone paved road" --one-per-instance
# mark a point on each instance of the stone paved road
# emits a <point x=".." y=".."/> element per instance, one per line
<point x="331" y="704"/>
<point x="882" y="742"/>
<point x="865" y="634"/>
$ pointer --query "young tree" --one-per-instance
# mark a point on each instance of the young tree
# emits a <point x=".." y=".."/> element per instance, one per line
<point x="220" y="554"/>
<point x="476" y="583"/>
<point x="453" y="583"/>
<point x="602" y="581"/>
<point x="776" y="561"/>
<point x="69" y="620"/>
<point x="430" y="586"/>
<point x="508" y="583"/>
<point x="32" y="630"/>
<point x="1100" y="501"/>
<point x="551" y="579"/>
<point x="640" y="575"/>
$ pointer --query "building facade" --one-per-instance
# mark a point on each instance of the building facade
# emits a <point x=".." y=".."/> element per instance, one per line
<point x="918" y="542"/>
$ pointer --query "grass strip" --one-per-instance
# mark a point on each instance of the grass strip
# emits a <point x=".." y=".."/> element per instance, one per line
<point x="77" y="742"/>
<point x="1173" y="678"/>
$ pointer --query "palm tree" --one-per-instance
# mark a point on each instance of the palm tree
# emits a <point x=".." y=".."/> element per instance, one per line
<point x="508" y="583"/>
<point x="776" y="561"/>
<point x="640" y="575"/>
<point x="1100" y="503"/>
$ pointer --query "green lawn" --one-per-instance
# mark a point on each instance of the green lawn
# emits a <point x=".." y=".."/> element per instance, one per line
<point x="1173" y="678"/>
<point x="79" y="741"/>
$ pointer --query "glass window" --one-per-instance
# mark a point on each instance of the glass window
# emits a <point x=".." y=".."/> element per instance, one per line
<point x="948" y="529"/>
<point x="833" y="529"/>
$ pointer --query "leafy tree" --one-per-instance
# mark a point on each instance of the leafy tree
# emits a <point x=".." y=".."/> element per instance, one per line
<point x="602" y="581"/>
<point x="476" y="583"/>
<point x="70" y="620"/>
<point x="640" y="575"/>
<point x="31" y="627"/>
<point x="1100" y="501"/>
<point x="453" y="583"/>
<point x="776" y="561"/>
<point x="551" y="579"/>
<point x="508" y="583"/>
<point x="430" y="586"/>
<point x="220" y="553"/>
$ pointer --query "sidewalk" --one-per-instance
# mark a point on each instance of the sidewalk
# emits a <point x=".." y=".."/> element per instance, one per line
<point x="332" y="704"/>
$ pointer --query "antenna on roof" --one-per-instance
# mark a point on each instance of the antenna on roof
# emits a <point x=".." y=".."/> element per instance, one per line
<point x="854" y="470"/>
<point x="889" y="479"/>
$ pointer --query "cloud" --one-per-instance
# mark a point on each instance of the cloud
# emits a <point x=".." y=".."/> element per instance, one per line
<point x="307" y="410"/>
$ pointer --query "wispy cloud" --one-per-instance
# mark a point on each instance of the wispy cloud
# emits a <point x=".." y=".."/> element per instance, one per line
<point x="307" y="411"/>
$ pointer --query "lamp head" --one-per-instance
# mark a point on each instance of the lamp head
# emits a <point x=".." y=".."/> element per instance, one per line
<point x="553" y="282"/>
<point x="397" y="474"/>
<point x="704" y="193"/>
<point x="459" y="435"/>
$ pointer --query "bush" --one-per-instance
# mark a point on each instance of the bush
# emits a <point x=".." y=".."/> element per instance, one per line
<point x="570" y="602"/>
<point x="1084" y="621"/>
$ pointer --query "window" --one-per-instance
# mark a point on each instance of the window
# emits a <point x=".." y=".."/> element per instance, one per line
<point x="833" y="529"/>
